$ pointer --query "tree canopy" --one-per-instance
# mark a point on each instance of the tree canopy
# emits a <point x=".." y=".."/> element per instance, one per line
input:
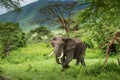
<point x="41" y="33"/>
<point x="58" y="13"/>
<point x="11" y="37"/>
<point x="102" y="20"/>
<point x="10" y="4"/>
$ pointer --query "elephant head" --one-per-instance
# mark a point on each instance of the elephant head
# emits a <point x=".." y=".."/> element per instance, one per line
<point x="61" y="45"/>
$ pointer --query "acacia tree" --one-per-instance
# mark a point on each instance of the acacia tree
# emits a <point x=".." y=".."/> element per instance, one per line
<point x="38" y="33"/>
<point x="58" y="14"/>
<point x="102" y="18"/>
<point x="11" y="37"/>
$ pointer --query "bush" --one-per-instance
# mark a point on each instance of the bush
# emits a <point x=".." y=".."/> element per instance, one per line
<point x="39" y="34"/>
<point x="11" y="37"/>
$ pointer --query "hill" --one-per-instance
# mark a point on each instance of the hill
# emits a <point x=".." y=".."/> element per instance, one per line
<point x="29" y="13"/>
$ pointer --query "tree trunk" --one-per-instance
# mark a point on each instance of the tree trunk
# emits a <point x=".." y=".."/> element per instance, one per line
<point x="65" y="25"/>
<point x="67" y="29"/>
<point x="118" y="61"/>
<point x="6" y="50"/>
<point x="107" y="51"/>
<point x="75" y="27"/>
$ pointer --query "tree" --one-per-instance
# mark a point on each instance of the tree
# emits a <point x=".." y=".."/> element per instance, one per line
<point x="38" y="34"/>
<point x="10" y="4"/>
<point x="11" y="37"/>
<point x="102" y="18"/>
<point x="58" y="14"/>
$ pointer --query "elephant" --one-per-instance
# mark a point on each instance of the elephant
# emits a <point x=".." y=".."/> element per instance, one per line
<point x="66" y="49"/>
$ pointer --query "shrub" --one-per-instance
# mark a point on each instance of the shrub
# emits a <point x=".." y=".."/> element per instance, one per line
<point x="11" y="37"/>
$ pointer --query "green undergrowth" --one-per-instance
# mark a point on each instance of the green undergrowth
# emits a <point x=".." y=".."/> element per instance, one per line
<point x="33" y="63"/>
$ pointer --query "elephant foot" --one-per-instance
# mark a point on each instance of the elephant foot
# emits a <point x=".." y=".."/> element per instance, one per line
<point x="66" y="67"/>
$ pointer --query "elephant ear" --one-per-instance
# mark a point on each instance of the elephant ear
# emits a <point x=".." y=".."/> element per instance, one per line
<point x="70" y="43"/>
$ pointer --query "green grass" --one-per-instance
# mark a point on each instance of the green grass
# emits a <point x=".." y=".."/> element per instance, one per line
<point x="33" y="63"/>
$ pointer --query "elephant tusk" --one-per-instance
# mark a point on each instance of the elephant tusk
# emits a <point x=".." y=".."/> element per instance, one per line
<point x="60" y="56"/>
<point x="51" y="53"/>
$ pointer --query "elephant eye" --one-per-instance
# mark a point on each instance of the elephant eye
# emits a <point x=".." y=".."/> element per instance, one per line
<point x="62" y="44"/>
<point x="54" y="39"/>
<point x="52" y="44"/>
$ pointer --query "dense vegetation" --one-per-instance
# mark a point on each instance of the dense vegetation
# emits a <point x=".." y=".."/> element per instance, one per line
<point x="103" y="21"/>
<point x="98" y="26"/>
<point x="10" y="4"/>
<point x="11" y="37"/>
<point x="33" y="62"/>
<point x="31" y="13"/>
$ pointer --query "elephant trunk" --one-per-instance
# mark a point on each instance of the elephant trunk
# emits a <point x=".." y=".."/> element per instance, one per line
<point x="57" y="59"/>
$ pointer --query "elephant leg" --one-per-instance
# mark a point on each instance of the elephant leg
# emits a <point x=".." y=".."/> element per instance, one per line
<point x="77" y="61"/>
<point x="83" y="62"/>
<point x="69" y="58"/>
<point x="80" y="59"/>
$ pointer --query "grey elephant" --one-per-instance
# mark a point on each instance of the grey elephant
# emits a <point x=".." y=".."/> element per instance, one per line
<point x="66" y="49"/>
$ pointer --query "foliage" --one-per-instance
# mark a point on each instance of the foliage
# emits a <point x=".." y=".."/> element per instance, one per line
<point x="39" y="34"/>
<point x="11" y="36"/>
<point x="102" y="21"/>
<point x="99" y="10"/>
<point x="59" y="13"/>
<point x="33" y="62"/>
<point x="98" y="25"/>
<point x="41" y="30"/>
<point x="10" y="4"/>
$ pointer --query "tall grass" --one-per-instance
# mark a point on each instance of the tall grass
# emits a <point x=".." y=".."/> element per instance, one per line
<point x="33" y="63"/>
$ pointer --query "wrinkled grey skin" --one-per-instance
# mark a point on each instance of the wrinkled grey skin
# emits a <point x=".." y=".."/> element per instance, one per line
<point x="72" y="48"/>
